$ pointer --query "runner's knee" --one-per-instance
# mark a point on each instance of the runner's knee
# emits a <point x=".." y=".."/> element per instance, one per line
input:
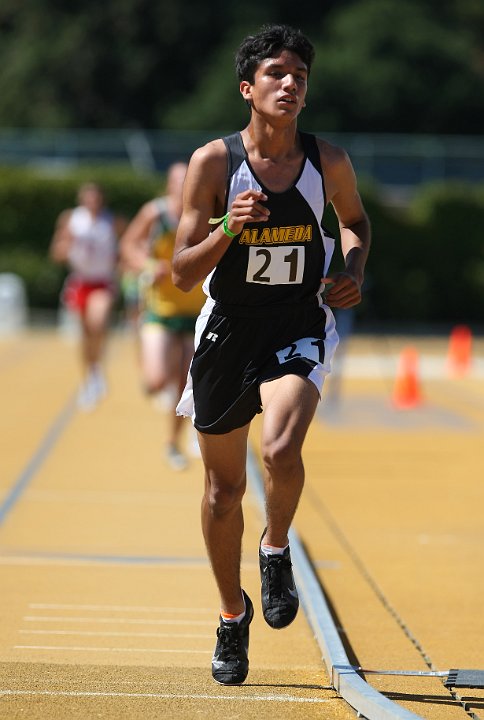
<point x="222" y="498"/>
<point x="281" y="453"/>
<point x="153" y="385"/>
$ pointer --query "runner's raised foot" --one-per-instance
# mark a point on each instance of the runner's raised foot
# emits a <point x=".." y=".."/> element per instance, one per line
<point x="280" y="601"/>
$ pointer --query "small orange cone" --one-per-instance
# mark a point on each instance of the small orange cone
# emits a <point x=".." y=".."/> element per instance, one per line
<point x="459" y="355"/>
<point x="407" y="393"/>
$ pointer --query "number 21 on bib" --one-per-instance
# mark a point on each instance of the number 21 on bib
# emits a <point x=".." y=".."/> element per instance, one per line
<point x="283" y="265"/>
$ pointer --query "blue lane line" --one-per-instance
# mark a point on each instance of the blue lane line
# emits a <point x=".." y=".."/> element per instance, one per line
<point x="37" y="459"/>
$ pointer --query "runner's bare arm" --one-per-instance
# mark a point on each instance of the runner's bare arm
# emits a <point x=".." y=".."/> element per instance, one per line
<point x="198" y="249"/>
<point x="354" y="228"/>
<point x="134" y="243"/>
<point x="62" y="239"/>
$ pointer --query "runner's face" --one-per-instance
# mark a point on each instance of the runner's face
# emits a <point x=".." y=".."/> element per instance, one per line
<point x="92" y="199"/>
<point x="280" y="86"/>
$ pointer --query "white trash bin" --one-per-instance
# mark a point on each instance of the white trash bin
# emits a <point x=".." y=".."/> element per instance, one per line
<point x="13" y="303"/>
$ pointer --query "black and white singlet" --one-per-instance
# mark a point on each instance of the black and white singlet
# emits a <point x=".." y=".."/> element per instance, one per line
<point x="264" y="316"/>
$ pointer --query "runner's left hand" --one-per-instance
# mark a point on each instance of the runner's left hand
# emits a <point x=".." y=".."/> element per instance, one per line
<point x="344" y="291"/>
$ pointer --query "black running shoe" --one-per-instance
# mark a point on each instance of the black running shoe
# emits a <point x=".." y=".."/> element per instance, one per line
<point x="279" y="596"/>
<point x="230" y="662"/>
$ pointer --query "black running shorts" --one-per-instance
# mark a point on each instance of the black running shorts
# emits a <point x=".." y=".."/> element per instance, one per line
<point x="235" y="354"/>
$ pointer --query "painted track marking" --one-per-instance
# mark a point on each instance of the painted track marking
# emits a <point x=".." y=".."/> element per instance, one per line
<point x="121" y="608"/>
<point x="36" y="460"/>
<point x="94" y="633"/>
<point x="168" y="696"/>
<point x="115" y="621"/>
<point x="80" y="648"/>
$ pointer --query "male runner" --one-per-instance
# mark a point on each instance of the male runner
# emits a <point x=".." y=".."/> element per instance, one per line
<point x="167" y="322"/>
<point x="86" y="240"/>
<point x="266" y="335"/>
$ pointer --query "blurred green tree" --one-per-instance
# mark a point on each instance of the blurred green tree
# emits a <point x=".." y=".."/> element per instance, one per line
<point x="381" y="65"/>
<point x="91" y="64"/>
<point x="400" y="66"/>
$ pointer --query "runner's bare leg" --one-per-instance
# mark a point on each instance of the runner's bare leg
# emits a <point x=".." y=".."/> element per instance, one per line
<point x="225" y="457"/>
<point x="289" y="404"/>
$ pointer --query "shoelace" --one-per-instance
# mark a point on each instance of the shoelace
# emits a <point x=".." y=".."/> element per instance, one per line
<point x="275" y="566"/>
<point x="229" y="637"/>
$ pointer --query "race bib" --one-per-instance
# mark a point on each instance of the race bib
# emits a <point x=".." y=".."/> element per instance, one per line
<point x="307" y="348"/>
<point x="283" y="265"/>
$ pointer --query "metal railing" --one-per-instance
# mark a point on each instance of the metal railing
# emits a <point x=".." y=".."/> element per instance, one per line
<point x="389" y="159"/>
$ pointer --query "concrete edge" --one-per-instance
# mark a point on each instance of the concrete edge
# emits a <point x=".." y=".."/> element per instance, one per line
<point x="367" y="701"/>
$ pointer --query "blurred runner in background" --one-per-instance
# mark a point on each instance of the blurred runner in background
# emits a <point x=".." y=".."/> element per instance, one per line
<point x="86" y="240"/>
<point x="168" y="317"/>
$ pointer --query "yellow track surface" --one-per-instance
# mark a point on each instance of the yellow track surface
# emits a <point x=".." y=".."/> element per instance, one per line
<point x="108" y="607"/>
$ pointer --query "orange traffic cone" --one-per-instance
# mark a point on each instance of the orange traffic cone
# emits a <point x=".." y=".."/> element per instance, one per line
<point x="407" y="393"/>
<point x="459" y="355"/>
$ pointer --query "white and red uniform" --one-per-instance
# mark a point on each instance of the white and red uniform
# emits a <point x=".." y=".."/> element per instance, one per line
<point x="92" y="256"/>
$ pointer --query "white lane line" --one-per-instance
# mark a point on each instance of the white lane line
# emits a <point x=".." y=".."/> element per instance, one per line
<point x="169" y="696"/>
<point x="124" y="608"/>
<point x="93" y="633"/>
<point x="62" y="561"/>
<point x="113" y="621"/>
<point x="80" y="648"/>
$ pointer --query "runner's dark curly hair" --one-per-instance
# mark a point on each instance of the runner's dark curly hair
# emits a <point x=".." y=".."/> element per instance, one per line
<point x="267" y="43"/>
